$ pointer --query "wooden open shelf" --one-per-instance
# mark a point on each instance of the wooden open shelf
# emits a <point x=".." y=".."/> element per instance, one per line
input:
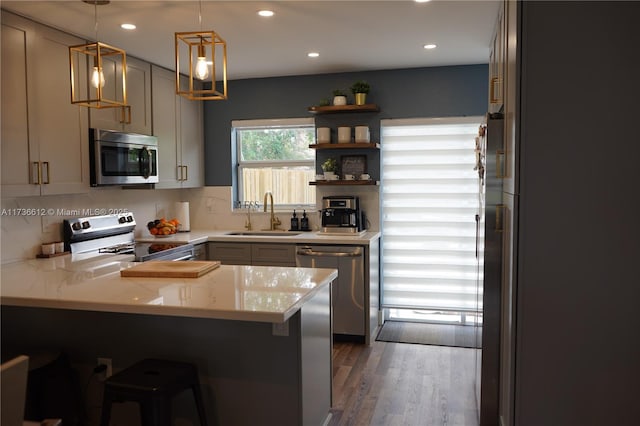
<point x="365" y="145"/>
<point x="332" y="109"/>
<point x="344" y="182"/>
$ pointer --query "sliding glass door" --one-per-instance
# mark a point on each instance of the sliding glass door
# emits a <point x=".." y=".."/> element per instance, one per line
<point x="430" y="199"/>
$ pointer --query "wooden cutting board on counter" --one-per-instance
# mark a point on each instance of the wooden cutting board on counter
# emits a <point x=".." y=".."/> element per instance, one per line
<point x="171" y="269"/>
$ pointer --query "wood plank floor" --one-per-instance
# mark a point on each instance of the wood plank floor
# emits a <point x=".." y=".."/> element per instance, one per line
<point x="403" y="384"/>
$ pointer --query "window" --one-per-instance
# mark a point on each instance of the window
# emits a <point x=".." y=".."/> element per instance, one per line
<point x="430" y="201"/>
<point x="274" y="156"/>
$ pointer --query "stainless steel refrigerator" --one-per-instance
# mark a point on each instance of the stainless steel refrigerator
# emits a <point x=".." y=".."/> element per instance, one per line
<point x="490" y="167"/>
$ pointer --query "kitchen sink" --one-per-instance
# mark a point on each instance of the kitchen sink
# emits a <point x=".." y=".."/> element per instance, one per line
<point x="265" y="233"/>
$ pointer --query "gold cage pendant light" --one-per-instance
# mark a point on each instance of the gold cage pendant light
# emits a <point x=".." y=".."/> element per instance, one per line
<point x="202" y="51"/>
<point x="98" y="73"/>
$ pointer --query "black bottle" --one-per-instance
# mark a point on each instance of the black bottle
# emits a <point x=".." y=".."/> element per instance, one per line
<point x="294" y="222"/>
<point x="304" y="224"/>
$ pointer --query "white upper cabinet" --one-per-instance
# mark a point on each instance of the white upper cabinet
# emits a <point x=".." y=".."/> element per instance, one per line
<point x="192" y="143"/>
<point x="509" y="182"/>
<point x="137" y="117"/>
<point x="165" y="111"/>
<point x="177" y="123"/>
<point x="497" y="64"/>
<point x="44" y="136"/>
<point x="16" y="155"/>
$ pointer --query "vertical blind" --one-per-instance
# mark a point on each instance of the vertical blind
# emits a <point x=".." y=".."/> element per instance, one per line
<point x="430" y="198"/>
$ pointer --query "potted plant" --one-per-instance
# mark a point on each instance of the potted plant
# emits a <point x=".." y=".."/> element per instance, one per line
<point x="329" y="167"/>
<point x="360" y="89"/>
<point x="339" y="97"/>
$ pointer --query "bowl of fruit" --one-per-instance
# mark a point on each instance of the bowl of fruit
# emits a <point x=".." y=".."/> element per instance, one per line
<point x="163" y="228"/>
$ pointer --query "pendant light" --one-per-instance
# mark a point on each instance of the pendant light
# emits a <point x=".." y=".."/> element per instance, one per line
<point x="98" y="72"/>
<point x="198" y="52"/>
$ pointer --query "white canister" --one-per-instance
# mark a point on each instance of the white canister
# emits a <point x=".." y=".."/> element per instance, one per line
<point x="323" y="135"/>
<point x="48" y="248"/>
<point x="344" y="134"/>
<point x="362" y="134"/>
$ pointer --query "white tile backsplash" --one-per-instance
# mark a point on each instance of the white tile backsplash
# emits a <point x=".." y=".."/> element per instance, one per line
<point x="210" y="207"/>
<point x="22" y="235"/>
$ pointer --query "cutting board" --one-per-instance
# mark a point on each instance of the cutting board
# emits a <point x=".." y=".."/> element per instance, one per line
<point x="171" y="269"/>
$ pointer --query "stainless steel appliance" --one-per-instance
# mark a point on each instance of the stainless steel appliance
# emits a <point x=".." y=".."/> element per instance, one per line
<point x="114" y="234"/>
<point x="342" y="214"/>
<point x="117" y="158"/>
<point x="348" y="290"/>
<point x="489" y="255"/>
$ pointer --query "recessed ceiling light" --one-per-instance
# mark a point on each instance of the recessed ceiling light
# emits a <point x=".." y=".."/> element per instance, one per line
<point x="128" y="26"/>
<point x="313" y="54"/>
<point x="265" y="13"/>
<point x="422" y="1"/>
<point x="429" y="46"/>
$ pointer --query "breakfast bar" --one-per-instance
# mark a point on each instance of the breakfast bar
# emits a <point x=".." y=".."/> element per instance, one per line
<point x="260" y="336"/>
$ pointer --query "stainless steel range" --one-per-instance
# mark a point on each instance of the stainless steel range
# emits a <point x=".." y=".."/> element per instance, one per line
<point x="114" y="234"/>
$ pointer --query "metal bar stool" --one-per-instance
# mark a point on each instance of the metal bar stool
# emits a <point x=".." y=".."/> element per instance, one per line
<point x="152" y="383"/>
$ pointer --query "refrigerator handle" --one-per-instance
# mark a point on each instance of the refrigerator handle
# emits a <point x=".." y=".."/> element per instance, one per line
<point x="477" y="233"/>
<point x="499" y="217"/>
<point x="499" y="169"/>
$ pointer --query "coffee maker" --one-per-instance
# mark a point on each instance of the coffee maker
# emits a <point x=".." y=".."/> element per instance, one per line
<point x="342" y="214"/>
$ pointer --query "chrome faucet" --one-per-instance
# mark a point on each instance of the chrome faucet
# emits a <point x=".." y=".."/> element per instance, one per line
<point x="274" y="222"/>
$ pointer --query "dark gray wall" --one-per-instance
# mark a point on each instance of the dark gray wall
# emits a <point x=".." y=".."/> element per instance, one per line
<point x="578" y="284"/>
<point x="418" y="92"/>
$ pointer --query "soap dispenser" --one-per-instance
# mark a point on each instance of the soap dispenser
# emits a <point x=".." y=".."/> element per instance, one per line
<point x="295" y="222"/>
<point x="304" y="224"/>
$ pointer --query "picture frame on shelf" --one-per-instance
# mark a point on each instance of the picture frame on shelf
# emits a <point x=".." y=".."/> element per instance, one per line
<point x="353" y="165"/>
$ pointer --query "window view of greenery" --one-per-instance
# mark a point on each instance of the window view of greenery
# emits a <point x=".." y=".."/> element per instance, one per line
<point x="277" y="160"/>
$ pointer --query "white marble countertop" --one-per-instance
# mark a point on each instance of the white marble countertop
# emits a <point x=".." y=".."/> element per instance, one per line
<point x="202" y="236"/>
<point x="245" y="293"/>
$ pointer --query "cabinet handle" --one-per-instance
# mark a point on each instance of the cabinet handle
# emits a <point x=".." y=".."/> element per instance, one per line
<point x="495" y="87"/>
<point x="499" y="165"/>
<point x="36" y="173"/>
<point x="48" y="172"/>
<point x="500" y="217"/>
<point x="178" y="173"/>
<point x="186" y="172"/>
<point x="125" y="114"/>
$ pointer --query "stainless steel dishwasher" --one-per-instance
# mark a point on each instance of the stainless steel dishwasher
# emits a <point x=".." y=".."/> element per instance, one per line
<point x="348" y="289"/>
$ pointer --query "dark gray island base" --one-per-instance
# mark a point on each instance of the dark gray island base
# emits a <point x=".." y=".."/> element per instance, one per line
<point x="249" y="376"/>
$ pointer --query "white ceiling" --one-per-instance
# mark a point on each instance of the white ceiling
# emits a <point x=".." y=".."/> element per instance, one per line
<point x="349" y="35"/>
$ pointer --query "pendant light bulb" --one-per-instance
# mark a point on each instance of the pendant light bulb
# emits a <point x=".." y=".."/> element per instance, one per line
<point x="202" y="68"/>
<point x="97" y="78"/>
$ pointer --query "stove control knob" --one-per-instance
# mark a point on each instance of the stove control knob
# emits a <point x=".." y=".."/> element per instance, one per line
<point x="122" y="219"/>
<point x="86" y="225"/>
<point x="129" y="218"/>
<point x="76" y="226"/>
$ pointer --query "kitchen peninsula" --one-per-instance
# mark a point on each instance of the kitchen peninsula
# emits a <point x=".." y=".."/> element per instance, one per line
<point x="260" y="336"/>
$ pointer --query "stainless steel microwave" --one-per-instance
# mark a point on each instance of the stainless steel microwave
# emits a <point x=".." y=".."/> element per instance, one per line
<point x="118" y="158"/>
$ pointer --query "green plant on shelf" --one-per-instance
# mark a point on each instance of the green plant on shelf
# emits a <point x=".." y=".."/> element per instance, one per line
<point x="360" y="86"/>
<point x="330" y="165"/>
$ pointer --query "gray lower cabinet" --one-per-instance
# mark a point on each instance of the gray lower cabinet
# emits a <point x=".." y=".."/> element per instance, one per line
<point x="273" y="254"/>
<point x="253" y="254"/>
<point x="230" y="253"/>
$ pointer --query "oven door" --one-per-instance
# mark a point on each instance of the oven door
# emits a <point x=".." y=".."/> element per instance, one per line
<point x="161" y="251"/>
<point x="118" y="163"/>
